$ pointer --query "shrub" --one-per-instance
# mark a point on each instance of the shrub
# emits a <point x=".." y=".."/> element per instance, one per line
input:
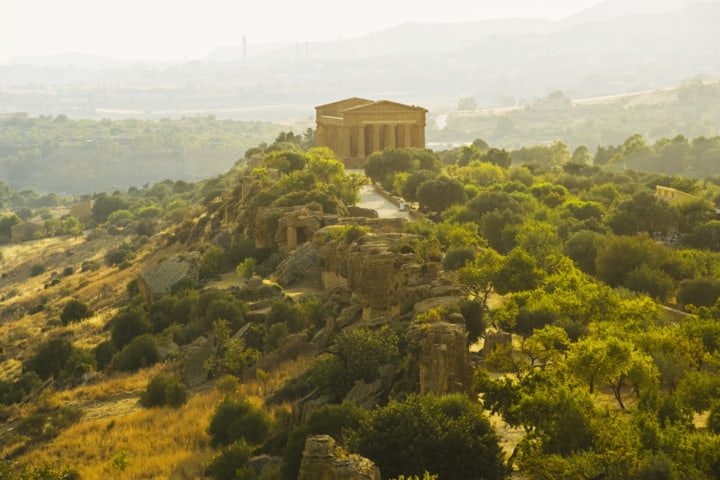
<point x="50" y="358"/>
<point x="231" y="463"/>
<point x="213" y="262"/>
<point x="104" y="353"/>
<point x="124" y="253"/>
<point x="141" y="352"/>
<point x="164" y="390"/>
<point x="127" y="324"/>
<point x="36" y="270"/>
<point x="238" y="419"/>
<point x="74" y="311"/>
<point x="89" y="266"/>
<point x="246" y="268"/>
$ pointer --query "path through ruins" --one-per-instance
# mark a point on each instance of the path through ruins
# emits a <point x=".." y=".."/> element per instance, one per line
<point x="370" y="198"/>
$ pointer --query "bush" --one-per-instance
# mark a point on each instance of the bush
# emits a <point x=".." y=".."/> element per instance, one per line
<point x="213" y="263"/>
<point x="231" y="463"/>
<point x="104" y="353"/>
<point x="36" y="270"/>
<point x="141" y="352"/>
<point x="50" y="358"/>
<point x="435" y="434"/>
<point x="74" y="311"/>
<point x="164" y="390"/>
<point x="127" y="324"/>
<point x="116" y="257"/>
<point x="89" y="266"/>
<point x="238" y="419"/>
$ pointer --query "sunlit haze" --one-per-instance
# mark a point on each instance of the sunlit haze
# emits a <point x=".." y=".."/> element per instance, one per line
<point x="172" y="29"/>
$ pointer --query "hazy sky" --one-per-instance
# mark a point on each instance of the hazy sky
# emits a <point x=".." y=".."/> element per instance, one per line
<point x="188" y="29"/>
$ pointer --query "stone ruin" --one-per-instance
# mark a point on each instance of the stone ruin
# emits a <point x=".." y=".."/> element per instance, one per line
<point x="323" y="460"/>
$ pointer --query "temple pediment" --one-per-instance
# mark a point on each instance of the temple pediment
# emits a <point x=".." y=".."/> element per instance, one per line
<point x="383" y="106"/>
<point x="334" y="109"/>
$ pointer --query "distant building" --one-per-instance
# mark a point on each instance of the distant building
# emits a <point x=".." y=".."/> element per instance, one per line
<point x="672" y="195"/>
<point x="354" y="128"/>
<point x="26" y="231"/>
<point x="82" y="211"/>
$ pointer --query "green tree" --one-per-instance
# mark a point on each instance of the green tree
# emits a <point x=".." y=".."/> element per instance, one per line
<point x="71" y="226"/>
<point x="426" y="433"/>
<point x="701" y="292"/>
<point x="518" y="272"/>
<point x="439" y="194"/>
<point x="644" y="212"/>
<point x="478" y="278"/>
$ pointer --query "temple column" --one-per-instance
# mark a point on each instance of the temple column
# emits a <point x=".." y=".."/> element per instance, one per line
<point x="407" y="136"/>
<point x="390" y="136"/>
<point x="361" y="141"/>
<point x="346" y="143"/>
<point x="376" y="137"/>
<point x="421" y="136"/>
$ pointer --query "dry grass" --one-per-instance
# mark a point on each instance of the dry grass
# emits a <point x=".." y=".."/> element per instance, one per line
<point x="161" y="443"/>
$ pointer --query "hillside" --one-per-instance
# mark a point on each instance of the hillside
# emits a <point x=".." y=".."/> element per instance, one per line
<point x="212" y="331"/>
<point x="688" y="109"/>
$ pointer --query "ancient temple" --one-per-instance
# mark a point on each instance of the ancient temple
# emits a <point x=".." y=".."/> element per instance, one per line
<point x="354" y="128"/>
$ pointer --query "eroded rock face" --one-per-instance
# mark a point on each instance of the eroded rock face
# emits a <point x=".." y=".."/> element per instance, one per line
<point x="323" y="460"/>
<point x="441" y="357"/>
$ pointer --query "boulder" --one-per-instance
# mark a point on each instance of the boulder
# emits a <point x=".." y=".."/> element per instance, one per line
<point x="370" y="395"/>
<point x="196" y="355"/>
<point x="323" y="460"/>
<point x="157" y="281"/>
<point x="302" y="266"/>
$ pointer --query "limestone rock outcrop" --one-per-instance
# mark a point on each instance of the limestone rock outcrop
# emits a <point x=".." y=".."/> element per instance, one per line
<point x="323" y="460"/>
<point x="157" y="281"/>
<point x="440" y="354"/>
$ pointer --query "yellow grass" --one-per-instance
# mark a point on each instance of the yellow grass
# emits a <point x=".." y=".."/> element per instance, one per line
<point x="161" y="443"/>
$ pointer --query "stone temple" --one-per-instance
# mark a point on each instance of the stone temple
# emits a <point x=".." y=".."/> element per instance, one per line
<point x="354" y="128"/>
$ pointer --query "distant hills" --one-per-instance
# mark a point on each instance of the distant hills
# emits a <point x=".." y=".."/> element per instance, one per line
<point x="608" y="49"/>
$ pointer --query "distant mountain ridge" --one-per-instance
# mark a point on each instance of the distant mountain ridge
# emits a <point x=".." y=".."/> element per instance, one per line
<point x="605" y="50"/>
